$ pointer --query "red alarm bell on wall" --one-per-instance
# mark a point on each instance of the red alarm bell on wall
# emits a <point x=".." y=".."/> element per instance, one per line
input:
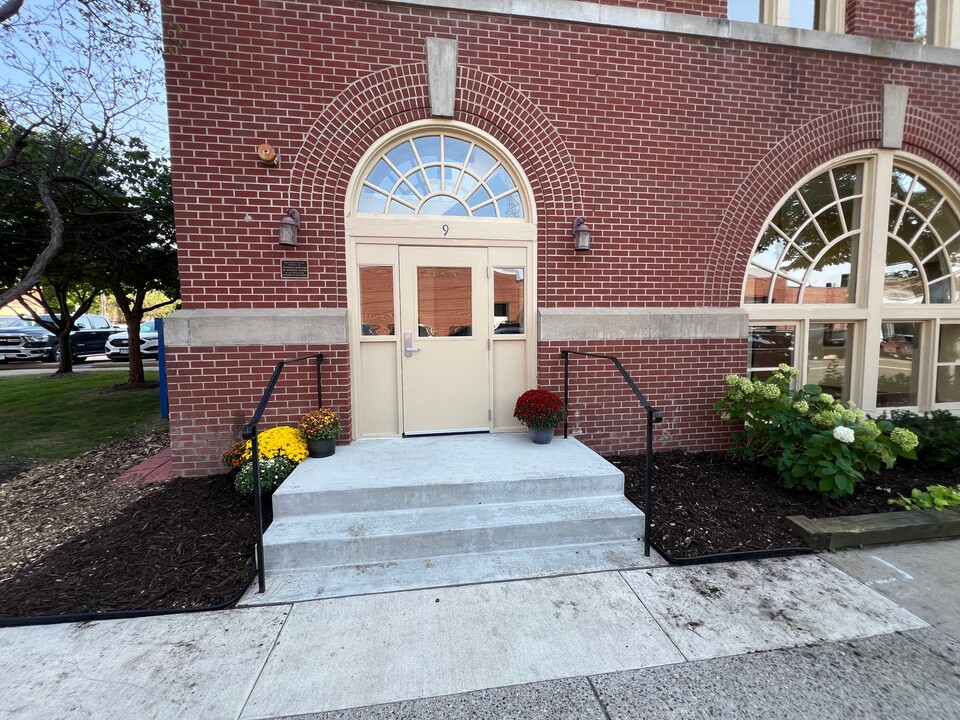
<point x="268" y="154"/>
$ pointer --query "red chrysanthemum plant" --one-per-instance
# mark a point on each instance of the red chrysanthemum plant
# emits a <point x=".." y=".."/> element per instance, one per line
<point x="540" y="409"/>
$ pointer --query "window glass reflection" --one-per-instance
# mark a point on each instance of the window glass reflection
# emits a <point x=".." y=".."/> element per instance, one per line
<point x="439" y="175"/>
<point x="743" y="10"/>
<point x="898" y="376"/>
<point x="827" y="357"/>
<point x="830" y="281"/>
<point x="802" y="14"/>
<point x="508" y="310"/>
<point x="769" y="346"/>
<point x="757" y="290"/>
<point x="444" y="302"/>
<point x="901" y="282"/>
<point x="948" y="364"/>
<point x="376" y="300"/>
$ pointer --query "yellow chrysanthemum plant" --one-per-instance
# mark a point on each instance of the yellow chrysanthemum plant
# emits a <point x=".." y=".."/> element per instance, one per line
<point x="281" y="449"/>
<point x="281" y="441"/>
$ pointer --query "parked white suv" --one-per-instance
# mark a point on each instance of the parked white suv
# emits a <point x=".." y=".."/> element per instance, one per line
<point x="118" y="344"/>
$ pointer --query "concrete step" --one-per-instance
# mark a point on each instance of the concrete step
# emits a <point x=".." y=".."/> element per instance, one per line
<point x="311" y="541"/>
<point x="407" y="473"/>
<point x="312" y="497"/>
<point x="446" y="570"/>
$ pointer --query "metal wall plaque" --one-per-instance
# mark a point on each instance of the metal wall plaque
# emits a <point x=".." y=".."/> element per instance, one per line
<point x="293" y="268"/>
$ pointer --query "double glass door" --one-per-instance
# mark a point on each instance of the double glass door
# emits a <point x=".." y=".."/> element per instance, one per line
<point x="441" y="340"/>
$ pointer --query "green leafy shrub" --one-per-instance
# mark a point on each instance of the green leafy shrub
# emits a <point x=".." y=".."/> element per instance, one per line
<point x="936" y="497"/>
<point x="813" y="441"/>
<point x="273" y="471"/>
<point x="938" y="433"/>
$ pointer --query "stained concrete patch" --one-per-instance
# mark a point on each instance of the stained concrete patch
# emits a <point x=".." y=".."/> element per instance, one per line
<point x="921" y="577"/>
<point x="197" y="665"/>
<point x="891" y="676"/>
<point x="571" y="699"/>
<point x="715" y="610"/>
<point x="368" y="650"/>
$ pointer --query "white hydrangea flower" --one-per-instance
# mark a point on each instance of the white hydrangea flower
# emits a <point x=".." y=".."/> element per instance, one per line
<point x="843" y="434"/>
<point x="770" y="392"/>
<point x="906" y="439"/>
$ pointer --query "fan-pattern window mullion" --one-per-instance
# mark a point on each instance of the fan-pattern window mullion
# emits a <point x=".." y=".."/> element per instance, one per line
<point x="439" y="174"/>
<point x="922" y="266"/>
<point x="807" y="253"/>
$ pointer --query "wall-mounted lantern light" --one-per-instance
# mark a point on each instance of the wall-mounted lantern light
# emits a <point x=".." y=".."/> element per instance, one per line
<point x="288" y="228"/>
<point x="581" y="234"/>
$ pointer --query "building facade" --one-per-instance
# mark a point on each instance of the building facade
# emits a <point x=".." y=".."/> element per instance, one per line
<point x="756" y="193"/>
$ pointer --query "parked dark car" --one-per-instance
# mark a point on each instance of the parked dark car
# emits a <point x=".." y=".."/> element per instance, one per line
<point x="28" y="341"/>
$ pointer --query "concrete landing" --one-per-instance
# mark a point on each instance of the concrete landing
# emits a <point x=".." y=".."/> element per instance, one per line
<point x="407" y="513"/>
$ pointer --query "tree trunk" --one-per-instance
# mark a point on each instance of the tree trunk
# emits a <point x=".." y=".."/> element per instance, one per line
<point x="135" y="373"/>
<point x="66" y="356"/>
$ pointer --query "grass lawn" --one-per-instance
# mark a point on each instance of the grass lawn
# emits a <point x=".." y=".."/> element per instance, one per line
<point x="51" y="418"/>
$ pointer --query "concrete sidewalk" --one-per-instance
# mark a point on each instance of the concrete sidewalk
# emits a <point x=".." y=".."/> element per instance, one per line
<point x="785" y="638"/>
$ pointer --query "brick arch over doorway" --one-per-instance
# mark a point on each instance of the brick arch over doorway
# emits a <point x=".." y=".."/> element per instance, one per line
<point x="857" y="127"/>
<point x="382" y="101"/>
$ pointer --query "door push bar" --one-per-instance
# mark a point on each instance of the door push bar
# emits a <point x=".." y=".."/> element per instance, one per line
<point x="408" y="348"/>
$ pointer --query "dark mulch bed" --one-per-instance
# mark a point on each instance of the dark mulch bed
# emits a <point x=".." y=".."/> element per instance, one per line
<point x="708" y="503"/>
<point x="73" y="540"/>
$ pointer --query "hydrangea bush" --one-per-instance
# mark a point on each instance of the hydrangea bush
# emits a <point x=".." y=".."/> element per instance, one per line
<point x="812" y="440"/>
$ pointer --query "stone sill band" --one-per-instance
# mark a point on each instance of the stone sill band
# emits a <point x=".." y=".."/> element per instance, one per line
<point x="593" y="13"/>
<point x="328" y="326"/>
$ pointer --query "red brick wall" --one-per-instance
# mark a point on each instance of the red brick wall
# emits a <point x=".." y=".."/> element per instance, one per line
<point x="215" y="391"/>
<point x="888" y="19"/>
<point x="680" y="378"/>
<point x="674" y="149"/>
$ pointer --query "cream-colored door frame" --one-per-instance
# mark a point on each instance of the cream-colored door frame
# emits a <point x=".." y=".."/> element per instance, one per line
<point x="376" y="361"/>
<point x="376" y="239"/>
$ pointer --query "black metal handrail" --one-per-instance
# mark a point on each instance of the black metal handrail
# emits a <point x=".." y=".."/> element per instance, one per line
<point x="653" y="416"/>
<point x="250" y="433"/>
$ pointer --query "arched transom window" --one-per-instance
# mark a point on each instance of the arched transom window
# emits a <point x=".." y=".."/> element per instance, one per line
<point x="440" y="174"/>
<point x="865" y="302"/>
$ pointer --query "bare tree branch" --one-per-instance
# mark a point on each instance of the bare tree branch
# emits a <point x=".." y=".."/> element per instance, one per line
<point x="32" y="277"/>
<point x="18" y="146"/>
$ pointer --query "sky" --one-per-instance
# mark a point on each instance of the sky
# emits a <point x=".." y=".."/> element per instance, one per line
<point x="56" y="62"/>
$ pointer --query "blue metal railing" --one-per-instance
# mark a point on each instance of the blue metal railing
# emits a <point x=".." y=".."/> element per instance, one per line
<point x="250" y="433"/>
<point x="653" y="416"/>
